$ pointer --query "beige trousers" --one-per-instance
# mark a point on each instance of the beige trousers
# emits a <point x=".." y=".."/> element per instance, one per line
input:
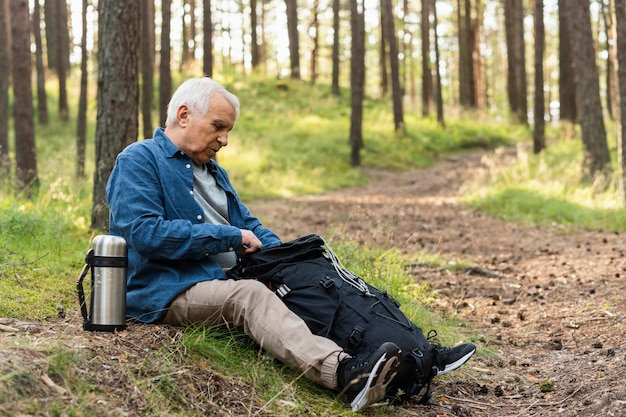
<point x="265" y="318"/>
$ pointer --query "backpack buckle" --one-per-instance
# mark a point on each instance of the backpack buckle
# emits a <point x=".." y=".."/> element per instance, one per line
<point x="356" y="336"/>
<point x="282" y="291"/>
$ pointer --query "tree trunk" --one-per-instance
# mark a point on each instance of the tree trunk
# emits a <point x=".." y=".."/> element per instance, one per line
<point x="207" y="46"/>
<point x="479" y="94"/>
<point x="567" y="80"/>
<point x="254" y="43"/>
<point x="357" y="80"/>
<point x="427" y="79"/>
<point x="165" y="73"/>
<point x="440" y="118"/>
<point x="539" y="139"/>
<point x="81" y="121"/>
<point x="335" y="76"/>
<point x="396" y="90"/>
<point x="62" y="47"/>
<point x="51" y="11"/>
<point x="5" y="162"/>
<point x="42" y="101"/>
<point x="596" y="158"/>
<point x="294" y="43"/>
<point x="188" y="32"/>
<point x="466" y="67"/>
<point x="611" y="59"/>
<point x="192" y="30"/>
<point x="314" y="30"/>
<point x="384" y="74"/>
<point x="25" y="149"/>
<point x="408" y="75"/>
<point x="147" y="65"/>
<point x="516" y="59"/>
<point x="520" y="47"/>
<point x="620" y="23"/>
<point x="118" y="94"/>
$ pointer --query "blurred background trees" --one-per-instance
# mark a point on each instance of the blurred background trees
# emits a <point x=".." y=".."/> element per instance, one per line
<point x="472" y="58"/>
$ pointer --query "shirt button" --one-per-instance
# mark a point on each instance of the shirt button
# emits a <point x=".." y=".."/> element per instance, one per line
<point x="199" y="217"/>
<point x="231" y="249"/>
<point x="188" y="166"/>
<point x="207" y="254"/>
<point x="190" y="192"/>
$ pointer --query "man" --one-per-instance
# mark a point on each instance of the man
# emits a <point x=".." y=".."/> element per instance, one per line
<point x="183" y="222"/>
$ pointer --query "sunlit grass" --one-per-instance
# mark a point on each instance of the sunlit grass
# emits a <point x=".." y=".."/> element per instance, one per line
<point x="546" y="189"/>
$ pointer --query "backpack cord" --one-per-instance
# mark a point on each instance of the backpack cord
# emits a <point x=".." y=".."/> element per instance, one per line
<point x="346" y="275"/>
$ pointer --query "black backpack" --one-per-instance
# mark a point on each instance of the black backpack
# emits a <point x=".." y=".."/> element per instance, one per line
<point x="306" y="274"/>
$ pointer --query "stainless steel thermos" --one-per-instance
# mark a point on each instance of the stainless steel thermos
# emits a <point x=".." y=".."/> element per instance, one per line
<point x="108" y="262"/>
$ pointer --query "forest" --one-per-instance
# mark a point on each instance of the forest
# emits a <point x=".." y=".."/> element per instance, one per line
<point x="466" y="154"/>
<point x="441" y="57"/>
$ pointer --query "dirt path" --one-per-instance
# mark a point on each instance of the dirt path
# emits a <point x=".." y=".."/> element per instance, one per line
<point x="550" y="304"/>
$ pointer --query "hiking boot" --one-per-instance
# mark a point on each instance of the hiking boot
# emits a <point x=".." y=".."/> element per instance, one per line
<point x="364" y="377"/>
<point x="448" y="359"/>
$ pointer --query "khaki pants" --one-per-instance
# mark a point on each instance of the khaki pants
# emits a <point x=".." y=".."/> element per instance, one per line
<point x="265" y="318"/>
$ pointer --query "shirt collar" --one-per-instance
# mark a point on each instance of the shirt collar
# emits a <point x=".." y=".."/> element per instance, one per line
<point x="166" y="144"/>
<point x="172" y="150"/>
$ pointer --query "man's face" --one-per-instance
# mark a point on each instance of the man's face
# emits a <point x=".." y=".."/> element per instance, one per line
<point x="204" y="136"/>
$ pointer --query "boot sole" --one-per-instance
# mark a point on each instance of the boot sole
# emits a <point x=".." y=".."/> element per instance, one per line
<point x="382" y="374"/>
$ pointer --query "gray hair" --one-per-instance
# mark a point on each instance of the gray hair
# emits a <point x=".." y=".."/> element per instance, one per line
<point x="196" y="94"/>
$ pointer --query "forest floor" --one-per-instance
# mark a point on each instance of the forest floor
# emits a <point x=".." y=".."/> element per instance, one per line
<point x="549" y="303"/>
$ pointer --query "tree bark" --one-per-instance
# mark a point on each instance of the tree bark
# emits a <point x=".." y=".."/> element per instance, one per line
<point x="611" y="59"/>
<point x="294" y="43"/>
<point x="516" y="59"/>
<point x="81" y="121"/>
<point x="466" y="67"/>
<point x="188" y="32"/>
<point x="165" y="73"/>
<point x="357" y="80"/>
<point x="596" y="158"/>
<point x="335" y="76"/>
<point x="539" y="139"/>
<point x="439" y="97"/>
<point x="147" y="65"/>
<point x="384" y="74"/>
<point x="620" y="23"/>
<point x="118" y="94"/>
<point x="427" y="79"/>
<point x="314" y="30"/>
<point x="51" y="11"/>
<point x="5" y="162"/>
<point x="254" y="43"/>
<point x="42" y="101"/>
<point x="207" y="46"/>
<point x="394" y="65"/>
<point x="25" y="149"/>
<point x="568" y="110"/>
<point x="62" y="47"/>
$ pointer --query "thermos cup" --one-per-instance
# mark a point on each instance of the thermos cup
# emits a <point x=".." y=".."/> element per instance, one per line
<point x="108" y="262"/>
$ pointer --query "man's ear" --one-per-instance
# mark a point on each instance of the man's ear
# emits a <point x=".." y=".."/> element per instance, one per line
<point x="182" y="115"/>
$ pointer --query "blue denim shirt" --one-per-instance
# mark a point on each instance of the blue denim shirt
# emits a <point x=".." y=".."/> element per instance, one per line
<point x="150" y="195"/>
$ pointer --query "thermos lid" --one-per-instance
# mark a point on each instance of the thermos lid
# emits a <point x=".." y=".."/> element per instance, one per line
<point x="108" y="245"/>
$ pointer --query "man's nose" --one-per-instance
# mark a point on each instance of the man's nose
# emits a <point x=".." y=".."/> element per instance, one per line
<point x="223" y="139"/>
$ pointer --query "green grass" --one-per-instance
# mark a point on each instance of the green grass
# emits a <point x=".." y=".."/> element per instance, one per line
<point x="546" y="189"/>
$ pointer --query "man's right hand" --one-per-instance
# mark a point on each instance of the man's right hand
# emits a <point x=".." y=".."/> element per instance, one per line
<point x="249" y="242"/>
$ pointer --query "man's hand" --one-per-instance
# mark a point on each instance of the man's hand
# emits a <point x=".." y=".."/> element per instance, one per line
<point x="249" y="242"/>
